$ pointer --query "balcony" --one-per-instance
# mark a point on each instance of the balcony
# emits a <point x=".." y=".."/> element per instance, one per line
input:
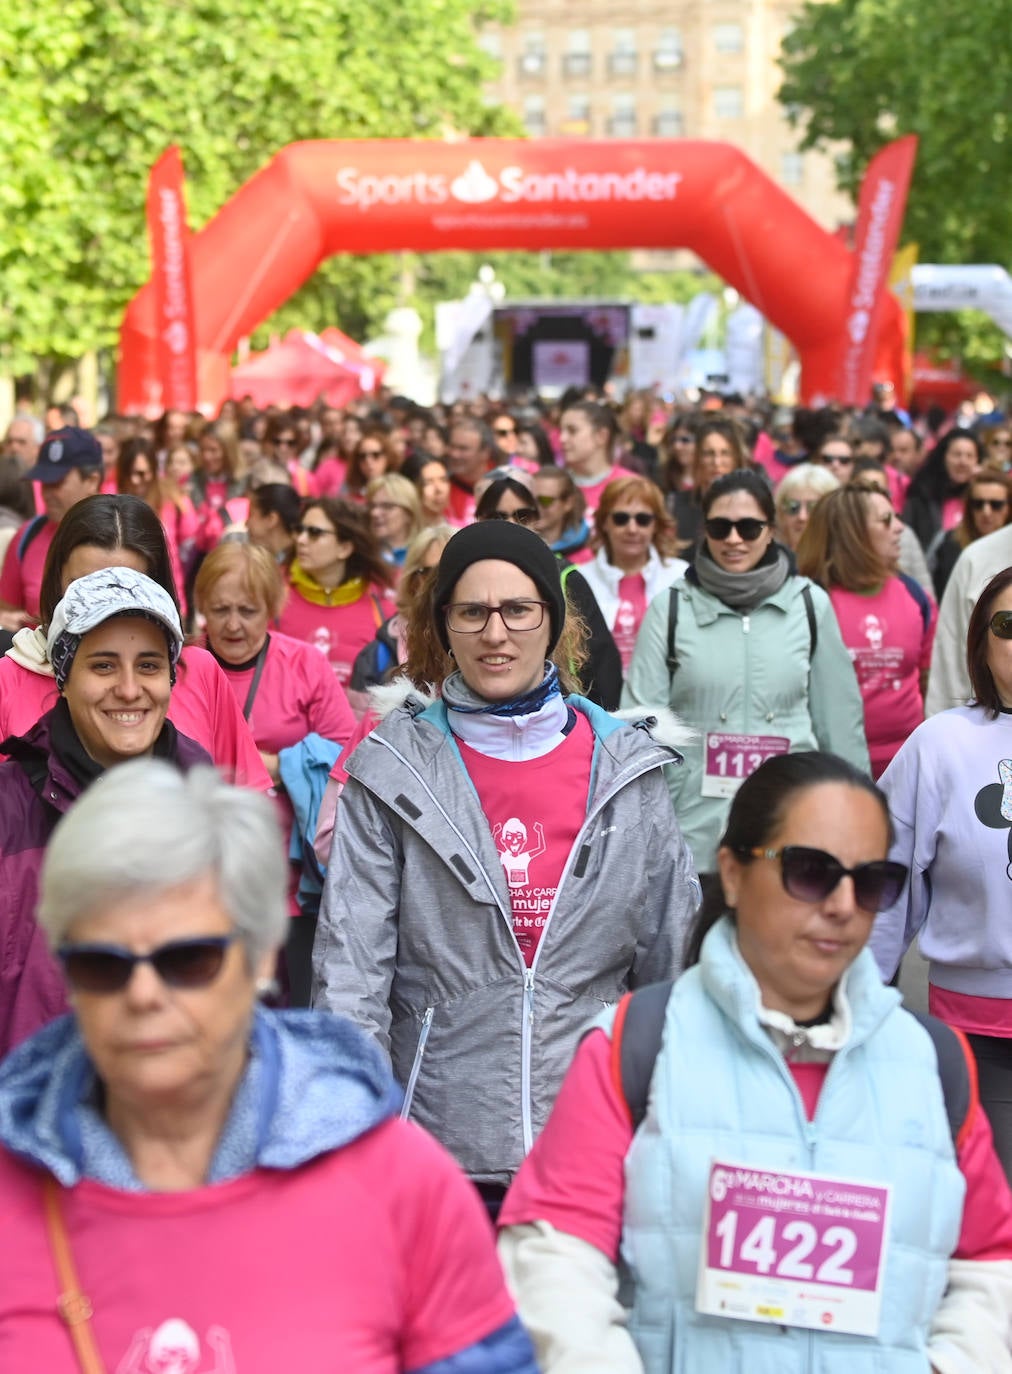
<point x="532" y="65"/>
<point x="577" y="64"/>
<point x="623" y="63"/>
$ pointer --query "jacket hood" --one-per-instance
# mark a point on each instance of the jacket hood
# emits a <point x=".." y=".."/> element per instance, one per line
<point x="387" y="697"/>
<point x="313" y="1084"/>
<point x="29" y="651"/>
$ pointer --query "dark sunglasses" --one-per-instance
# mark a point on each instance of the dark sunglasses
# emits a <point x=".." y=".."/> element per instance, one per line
<point x="984" y="503"/>
<point x="371" y="453"/>
<point x="793" y="507"/>
<point x="526" y="515"/>
<point x="810" y="875"/>
<point x="1001" y="624"/>
<point x="284" y="443"/>
<point x="748" y="529"/>
<point x="836" y="459"/>
<point x="314" y="532"/>
<point x="504" y="431"/>
<point x="621" y="518"/>
<point x="179" y="963"/>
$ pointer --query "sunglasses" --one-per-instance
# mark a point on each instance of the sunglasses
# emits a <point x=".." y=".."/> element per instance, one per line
<point x="810" y="875"/>
<point x="371" y="453"/>
<point x="179" y="963"/>
<point x="885" y="520"/>
<point x="313" y="532"/>
<point x="796" y="507"/>
<point x="748" y="529"/>
<point x="526" y="515"/>
<point x="504" y="431"/>
<point x="983" y="503"/>
<point x="839" y="460"/>
<point x="1001" y="624"/>
<point x="285" y="443"/>
<point x="621" y="518"/>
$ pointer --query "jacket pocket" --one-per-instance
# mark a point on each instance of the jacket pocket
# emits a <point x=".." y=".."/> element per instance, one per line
<point x="423" y="1036"/>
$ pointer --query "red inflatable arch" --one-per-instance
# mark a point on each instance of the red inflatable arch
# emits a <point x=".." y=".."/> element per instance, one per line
<point x="319" y="198"/>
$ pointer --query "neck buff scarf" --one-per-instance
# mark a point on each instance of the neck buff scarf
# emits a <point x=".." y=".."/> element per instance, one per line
<point x="310" y="590"/>
<point x="743" y="591"/>
<point x="459" y="697"/>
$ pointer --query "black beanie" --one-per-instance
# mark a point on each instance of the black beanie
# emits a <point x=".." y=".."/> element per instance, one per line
<point x="510" y="543"/>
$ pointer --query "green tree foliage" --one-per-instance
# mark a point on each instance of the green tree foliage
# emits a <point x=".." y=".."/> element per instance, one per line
<point x="92" y="91"/>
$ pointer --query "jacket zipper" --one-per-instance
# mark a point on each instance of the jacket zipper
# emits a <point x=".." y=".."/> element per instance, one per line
<point x="423" y="1035"/>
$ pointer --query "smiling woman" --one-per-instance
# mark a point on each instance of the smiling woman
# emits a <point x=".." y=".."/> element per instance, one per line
<point x="114" y="643"/>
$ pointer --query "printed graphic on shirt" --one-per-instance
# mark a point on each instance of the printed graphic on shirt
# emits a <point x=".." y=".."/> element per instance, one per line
<point x="624" y="633"/>
<point x="175" y="1348"/>
<point x="321" y="639"/>
<point x="993" y="805"/>
<point x="516" y="854"/>
<point x="878" y="666"/>
<point x="519" y="846"/>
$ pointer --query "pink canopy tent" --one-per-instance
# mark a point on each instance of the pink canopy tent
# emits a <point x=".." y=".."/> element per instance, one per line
<point x="298" y="370"/>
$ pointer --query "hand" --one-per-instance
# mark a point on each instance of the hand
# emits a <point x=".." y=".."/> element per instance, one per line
<point x="14" y="620"/>
<point x="272" y="764"/>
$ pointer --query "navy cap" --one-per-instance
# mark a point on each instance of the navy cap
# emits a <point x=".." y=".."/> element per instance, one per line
<point x="64" y="450"/>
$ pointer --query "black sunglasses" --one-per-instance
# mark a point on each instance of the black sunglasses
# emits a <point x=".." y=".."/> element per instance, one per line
<point x="810" y="875"/>
<point x="1001" y="624"/>
<point x="525" y="515"/>
<point x="748" y="529"/>
<point x="179" y="963"/>
<point x="621" y="518"/>
<point x="504" y="431"/>
<point x="314" y="532"/>
<point x="983" y="503"/>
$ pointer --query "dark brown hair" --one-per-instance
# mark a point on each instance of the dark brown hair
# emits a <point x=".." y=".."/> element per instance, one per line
<point x="352" y="524"/>
<point x="978" y="637"/>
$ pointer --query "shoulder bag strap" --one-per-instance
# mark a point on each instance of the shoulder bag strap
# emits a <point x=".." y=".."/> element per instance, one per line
<point x="73" y="1306"/>
<point x="672" y="659"/>
<point x="251" y="695"/>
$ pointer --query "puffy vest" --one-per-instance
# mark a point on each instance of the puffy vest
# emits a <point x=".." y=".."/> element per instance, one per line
<point x="722" y="1090"/>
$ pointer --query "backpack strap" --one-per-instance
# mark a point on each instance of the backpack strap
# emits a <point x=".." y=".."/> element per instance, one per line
<point x="33" y="528"/>
<point x="672" y="659"/>
<point x="565" y="574"/>
<point x="920" y="596"/>
<point x="635" y="1044"/>
<point x="957" y="1069"/>
<point x="813" y="627"/>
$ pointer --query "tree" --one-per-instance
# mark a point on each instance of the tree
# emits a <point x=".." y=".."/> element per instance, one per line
<point x="92" y="91"/>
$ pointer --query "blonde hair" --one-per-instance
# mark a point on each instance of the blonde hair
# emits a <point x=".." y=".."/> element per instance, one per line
<point x="254" y="564"/>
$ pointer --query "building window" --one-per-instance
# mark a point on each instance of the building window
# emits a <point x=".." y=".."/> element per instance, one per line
<point x="577" y="60"/>
<point x="534" y="115"/>
<point x="623" y="123"/>
<point x="668" y="122"/>
<point x="533" y="60"/>
<point x="578" y="108"/>
<point x="623" y="59"/>
<point x="728" y="38"/>
<point x="668" y="50"/>
<point x="728" y="102"/>
<point x="792" y="169"/>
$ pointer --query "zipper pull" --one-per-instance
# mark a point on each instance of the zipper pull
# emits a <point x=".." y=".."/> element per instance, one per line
<point x="744" y="624"/>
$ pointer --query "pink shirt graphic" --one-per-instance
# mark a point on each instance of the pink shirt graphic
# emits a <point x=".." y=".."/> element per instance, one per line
<point x="535" y="808"/>
<point x="338" y="632"/>
<point x="632" y="607"/>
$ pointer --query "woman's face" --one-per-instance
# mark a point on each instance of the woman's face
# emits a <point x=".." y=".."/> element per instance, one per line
<point x="999" y="652"/>
<point x="714" y="456"/>
<point x="110" y="451"/>
<point x="999" y="448"/>
<point x="498" y="663"/>
<point x="793" y="512"/>
<point x="286" y="446"/>
<point x="683" y="448"/>
<point x="434" y="487"/>
<point x="89" y="558"/>
<point x="212" y="456"/>
<point x="118" y="689"/>
<point x="237" y="619"/>
<point x="156" y="1046"/>
<point x="884" y="528"/>
<point x="141" y="476"/>
<point x="179" y="466"/>
<point x="320" y="551"/>
<point x="434" y="443"/>
<point x="988" y="507"/>
<point x="554" y="507"/>
<point x="627" y="539"/>
<point x="526" y="447"/>
<point x="391" y="523"/>
<point x="175" y="428"/>
<point x="838" y="456"/>
<point x="961" y="461"/>
<point x="520" y="510"/>
<point x="798" y="951"/>
<point x="734" y="553"/>
<point x="583" y="446"/>
<point x="351" y="433"/>
<point x="372" y="459"/>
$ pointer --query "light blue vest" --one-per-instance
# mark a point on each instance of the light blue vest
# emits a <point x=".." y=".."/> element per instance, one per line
<point x="722" y="1090"/>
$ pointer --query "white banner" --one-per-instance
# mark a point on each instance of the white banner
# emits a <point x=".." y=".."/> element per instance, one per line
<point x="744" y="349"/>
<point x="982" y="286"/>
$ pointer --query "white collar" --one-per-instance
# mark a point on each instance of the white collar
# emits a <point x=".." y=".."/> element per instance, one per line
<point x="515" y="738"/>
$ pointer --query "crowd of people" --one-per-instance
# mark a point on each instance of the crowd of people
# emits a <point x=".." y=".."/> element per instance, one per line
<point x="416" y="821"/>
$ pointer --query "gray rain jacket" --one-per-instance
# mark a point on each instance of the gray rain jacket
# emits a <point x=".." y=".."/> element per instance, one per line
<point x="415" y="940"/>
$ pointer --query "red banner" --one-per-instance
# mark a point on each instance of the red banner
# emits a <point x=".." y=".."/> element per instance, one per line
<point x="880" y="211"/>
<point x="170" y="254"/>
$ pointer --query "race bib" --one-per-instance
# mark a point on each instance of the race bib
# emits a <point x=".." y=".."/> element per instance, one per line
<point x="793" y="1249"/>
<point x="730" y="759"/>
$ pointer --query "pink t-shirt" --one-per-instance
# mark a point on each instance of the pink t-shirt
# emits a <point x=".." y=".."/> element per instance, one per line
<point x="201" y="706"/>
<point x="535" y="808"/>
<point x="574" y="1178"/>
<point x="972" y="1015"/>
<point x="889" y="647"/>
<point x="338" y="632"/>
<point x="329" y="476"/>
<point x="373" y="1259"/>
<point x="952" y="512"/>
<point x="592" y="490"/>
<point x="632" y="607"/>
<point x="21" y="578"/>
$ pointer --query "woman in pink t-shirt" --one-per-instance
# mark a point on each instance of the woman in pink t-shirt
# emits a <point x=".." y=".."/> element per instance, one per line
<point x="851" y="547"/>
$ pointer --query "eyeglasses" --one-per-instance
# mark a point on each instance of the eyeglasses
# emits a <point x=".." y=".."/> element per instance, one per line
<point x="748" y="529"/>
<point x="525" y="515"/>
<point x="983" y="503"/>
<point x="384" y="505"/>
<point x="504" y="431"/>
<point x="885" y="520"/>
<point x="796" y="507"/>
<point x="1001" y="624"/>
<point x="545" y="501"/>
<point x="999" y="441"/>
<point x="471" y="617"/>
<point x="285" y="443"/>
<point x="810" y="875"/>
<point x="314" y="532"/>
<point x="371" y="453"/>
<point x="179" y="963"/>
<point x="642" y="518"/>
<point x="683" y="439"/>
<point x="837" y="460"/>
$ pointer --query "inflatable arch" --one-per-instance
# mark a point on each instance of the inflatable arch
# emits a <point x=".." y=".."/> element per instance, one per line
<point x="315" y="199"/>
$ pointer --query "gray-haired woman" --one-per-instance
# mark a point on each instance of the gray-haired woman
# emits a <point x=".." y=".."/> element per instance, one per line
<point x="147" y="1138"/>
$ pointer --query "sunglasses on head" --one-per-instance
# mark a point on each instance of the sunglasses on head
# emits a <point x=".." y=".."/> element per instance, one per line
<point x="748" y="529"/>
<point x="810" y="875"/>
<point x="1001" y="624"/>
<point x="621" y="518"/>
<point x="985" y="503"/>
<point x="179" y="963"/>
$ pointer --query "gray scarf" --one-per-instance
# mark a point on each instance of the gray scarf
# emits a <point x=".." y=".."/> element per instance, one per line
<point x="743" y="591"/>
